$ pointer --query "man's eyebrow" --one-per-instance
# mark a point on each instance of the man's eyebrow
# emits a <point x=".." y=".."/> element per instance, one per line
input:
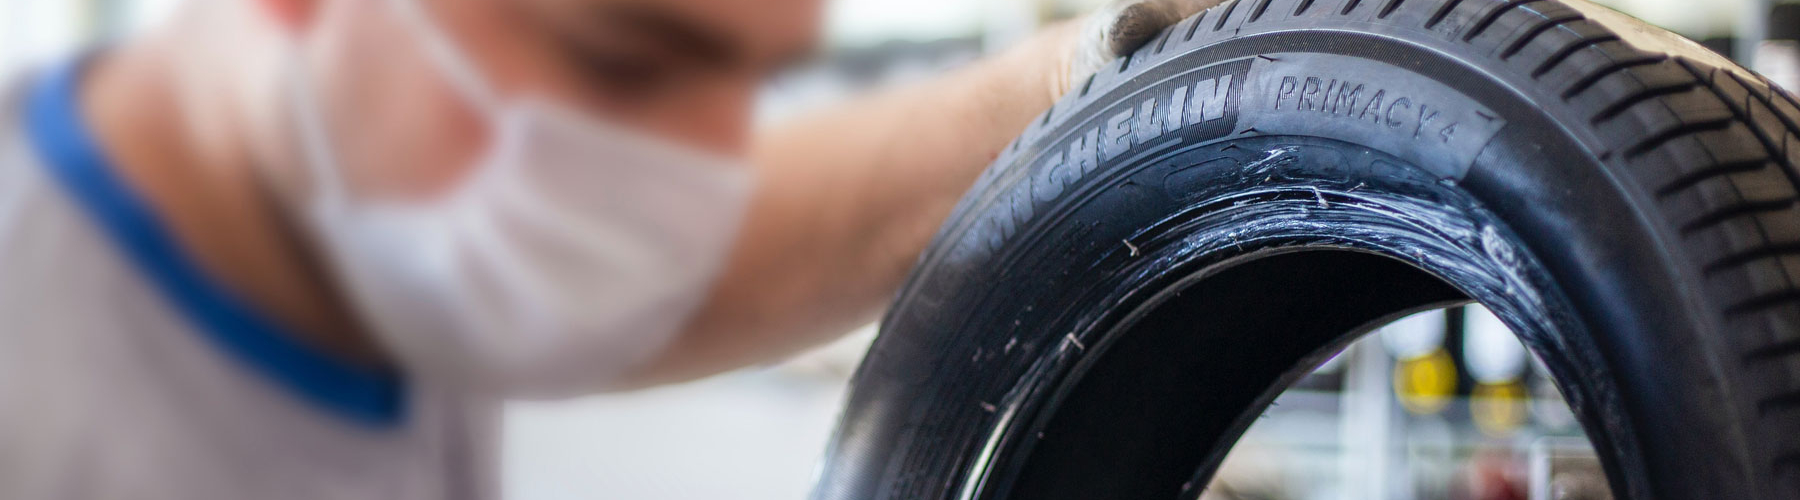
<point x="681" y="33"/>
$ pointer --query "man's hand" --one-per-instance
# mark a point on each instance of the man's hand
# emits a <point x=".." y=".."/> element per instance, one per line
<point x="1119" y="28"/>
<point x="848" y="197"/>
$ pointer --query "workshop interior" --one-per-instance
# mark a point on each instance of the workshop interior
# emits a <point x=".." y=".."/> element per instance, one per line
<point x="1440" y="399"/>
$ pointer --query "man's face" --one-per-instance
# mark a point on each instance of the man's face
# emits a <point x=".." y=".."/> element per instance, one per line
<point x="685" y="70"/>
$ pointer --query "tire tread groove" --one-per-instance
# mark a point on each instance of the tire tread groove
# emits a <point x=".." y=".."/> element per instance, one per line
<point x="1686" y="129"/>
<point x="1536" y="31"/>
<point x="1487" y="20"/>
<point x="1720" y="170"/>
<point x="1225" y="16"/>
<point x="1622" y="105"/>
<point x="1388" y="8"/>
<point x="1588" y="81"/>
<point x="1730" y="212"/>
<point x="1442" y="12"/>
<point x="1257" y="12"/>
<point x="1568" y="51"/>
<point x="1751" y="255"/>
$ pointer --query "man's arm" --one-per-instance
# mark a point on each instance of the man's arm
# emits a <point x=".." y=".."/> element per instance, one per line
<point x="849" y="197"/>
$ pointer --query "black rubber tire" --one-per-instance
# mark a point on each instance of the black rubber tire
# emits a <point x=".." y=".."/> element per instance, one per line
<point x="1118" y="297"/>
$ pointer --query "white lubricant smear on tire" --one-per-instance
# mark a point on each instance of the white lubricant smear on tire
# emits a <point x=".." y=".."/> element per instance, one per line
<point x="1501" y="253"/>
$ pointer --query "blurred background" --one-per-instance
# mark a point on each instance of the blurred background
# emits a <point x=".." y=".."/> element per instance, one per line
<point x="1444" y="404"/>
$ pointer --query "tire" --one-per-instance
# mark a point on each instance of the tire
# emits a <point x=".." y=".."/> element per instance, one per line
<point x="1123" y="292"/>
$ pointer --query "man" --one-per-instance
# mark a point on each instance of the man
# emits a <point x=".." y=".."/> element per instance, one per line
<point x="300" y="248"/>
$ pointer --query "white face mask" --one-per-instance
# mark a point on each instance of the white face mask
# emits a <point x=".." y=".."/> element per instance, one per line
<point x="573" y="251"/>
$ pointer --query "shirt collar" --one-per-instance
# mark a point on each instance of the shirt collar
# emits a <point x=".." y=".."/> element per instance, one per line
<point x="56" y="128"/>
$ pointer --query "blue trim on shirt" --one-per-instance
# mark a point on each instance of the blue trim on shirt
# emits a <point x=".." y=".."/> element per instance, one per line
<point x="57" y="129"/>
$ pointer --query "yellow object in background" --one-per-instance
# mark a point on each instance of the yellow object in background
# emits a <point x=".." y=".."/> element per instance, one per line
<point x="1425" y="384"/>
<point x="1498" y="409"/>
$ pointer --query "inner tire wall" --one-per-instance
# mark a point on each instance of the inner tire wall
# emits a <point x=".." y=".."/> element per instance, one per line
<point x="1151" y="375"/>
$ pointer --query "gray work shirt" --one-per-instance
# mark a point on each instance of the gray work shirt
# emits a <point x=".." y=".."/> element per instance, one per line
<point x="126" y="373"/>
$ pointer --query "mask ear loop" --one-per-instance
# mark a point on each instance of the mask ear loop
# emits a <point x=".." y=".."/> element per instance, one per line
<point x="463" y="75"/>
<point x="451" y="61"/>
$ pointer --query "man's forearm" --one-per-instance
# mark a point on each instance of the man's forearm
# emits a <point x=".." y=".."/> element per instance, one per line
<point x="847" y="199"/>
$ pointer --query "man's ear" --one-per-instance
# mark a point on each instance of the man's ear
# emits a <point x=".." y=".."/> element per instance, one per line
<point x="293" y="15"/>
